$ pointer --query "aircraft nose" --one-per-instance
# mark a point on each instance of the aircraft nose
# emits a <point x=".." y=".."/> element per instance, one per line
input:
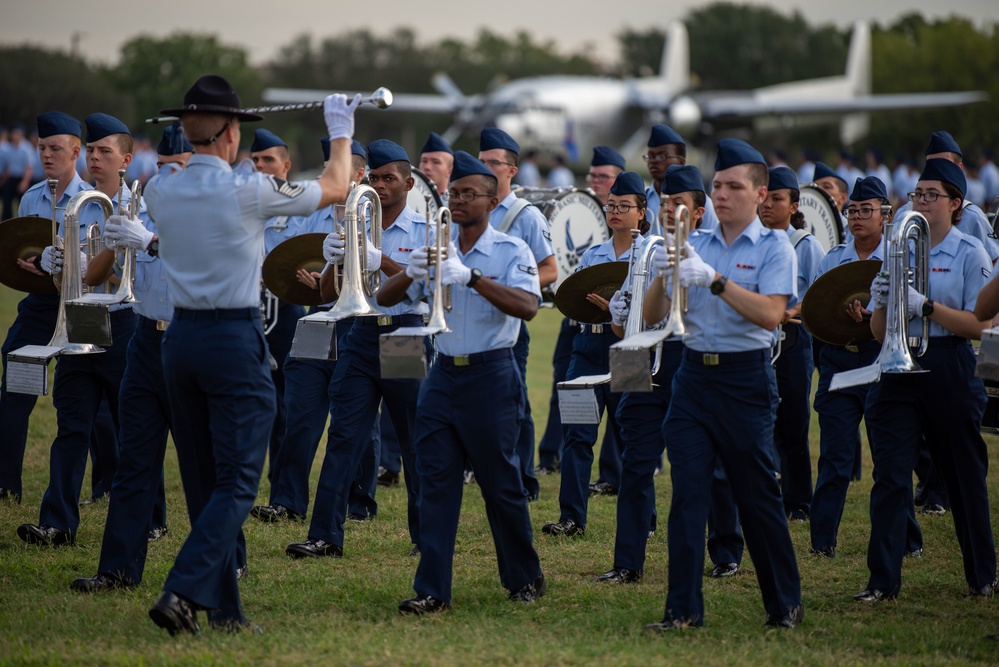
<point x="684" y="115"/>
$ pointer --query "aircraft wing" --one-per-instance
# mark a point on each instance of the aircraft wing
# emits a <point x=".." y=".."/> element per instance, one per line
<point x="415" y="102"/>
<point x="755" y="105"/>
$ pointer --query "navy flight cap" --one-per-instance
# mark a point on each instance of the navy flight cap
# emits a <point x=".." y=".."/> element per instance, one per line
<point x="264" y="139"/>
<point x="436" y="144"/>
<point x="493" y="137"/>
<point x="628" y="183"/>
<point x="733" y="152"/>
<point x="782" y="178"/>
<point x="682" y="178"/>
<point x="942" y="142"/>
<point x="383" y="151"/>
<point x="100" y="125"/>
<point x="605" y="156"/>
<point x="467" y="165"/>
<point x="870" y="187"/>
<point x="940" y="169"/>
<point x="822" y="170"/>
<point x="664" y="134"/>
<point x="52" y="123"/>
<point x="173" y="141"/>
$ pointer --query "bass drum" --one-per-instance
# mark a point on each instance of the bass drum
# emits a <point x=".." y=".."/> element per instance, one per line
<point x="576" y="221"/>
<point x="821" y="217"/>
<point x="423" y="186"/>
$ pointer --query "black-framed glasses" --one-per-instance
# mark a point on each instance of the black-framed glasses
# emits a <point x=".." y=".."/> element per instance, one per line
<point x="620" y="208"/>
<point x="599" y="177"/>
<point x="928" y="197"/>
<point x="863" y="213"/>
<point x="659" y="157"/>
<point x="493" y="164"/>
<point x="467" y="196"/>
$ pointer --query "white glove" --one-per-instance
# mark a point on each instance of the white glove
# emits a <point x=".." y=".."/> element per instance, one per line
<point x="333" y="248"/>
<point x="662" y="261"/>
<point x="339" y="115"/>
<point x="619" y="308"/>
<point x="668" y="239"/>
<point x="418" y="262"/>
<point x="124" y="232"/>
<point x="374" y="254"/>
<point x="916" y="301"/>
<point x="453" y="272"/>
<point x="879" y="290"/>
<point x="694" y="271"/>
<point x="52" y="260"/>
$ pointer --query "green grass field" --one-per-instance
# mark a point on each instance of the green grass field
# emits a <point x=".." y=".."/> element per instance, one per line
<point x="344" y="611"/>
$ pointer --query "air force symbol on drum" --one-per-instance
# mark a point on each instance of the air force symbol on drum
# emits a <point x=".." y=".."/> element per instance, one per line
<point x="288" y="189"/>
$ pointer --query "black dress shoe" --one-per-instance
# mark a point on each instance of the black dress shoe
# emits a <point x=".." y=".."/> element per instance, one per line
<point x="234" y="626"/>
<point x="158" y="533"/>
<point x="871" y="595"/>
<point x="791" y="619"/>
<point x="530" y="592"/>
<point x="99" y="583"/>
<point x="7" y="494"/>
<point x="43" y="535"/>
<point x="358" y="517"/>
<point x="313" y="549"/>
<point x="415" y="551"/>
<point x="602" y="489"/>
<point x="725" y="570"/>
<point x="272" y="513"/>
<point x="174" y="614"/>
<point x="825" y="552"/>
<point x="564" y="528"/>
<point x="619" y="575"/>
<point x="933" y="509"/>
<point x="541" y="471"/>
<point x="93" y="500"/>
<point x="986" y="591"/>
<point x="667" y="625"/>
<point x="387" y="477"/>
<point x="423" y="604"/>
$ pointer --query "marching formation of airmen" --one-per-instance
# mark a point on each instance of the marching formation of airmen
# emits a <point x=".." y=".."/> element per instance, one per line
<point x="192" y="356"/>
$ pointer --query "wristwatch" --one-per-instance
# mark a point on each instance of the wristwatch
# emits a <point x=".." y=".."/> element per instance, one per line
<point x="928" y="307"/>
<point x="718" y="286"/>
<point x="154" y="247"/>
<point x="476" y="274"/>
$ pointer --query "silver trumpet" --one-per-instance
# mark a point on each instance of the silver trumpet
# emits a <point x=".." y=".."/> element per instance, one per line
<point x="437" y="255"/>
<point x="381" y="98"/>
<point x="895" y="356"/>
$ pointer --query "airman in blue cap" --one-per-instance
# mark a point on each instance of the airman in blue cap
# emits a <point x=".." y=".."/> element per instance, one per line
<point x="211" y="225"/>
<point x="59" y="147"/>
<point x="436" y="161"/>
<point x="357" y="387"/>
<point x="738" y="267"/>
<point x="794" y="366"/>
<point x="15" y="169"/>
<point x="472" y="400"/>
<point x="174" y="150"/>
<point x="667" y="148"/>
<point x="83" y="382"/>
<point x="517" y="217"/>
<point x="944" y="407"/>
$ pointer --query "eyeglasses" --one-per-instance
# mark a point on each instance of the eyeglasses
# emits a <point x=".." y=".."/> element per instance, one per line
<point x="658" y="157"/>
<point x="928" y="197"/>
<point x="468" y="196"/>
<point x="864" y="213"/>
<point x="599" y="177"/>
<point x="493" y="164"/>
<point x="620" y="208"/>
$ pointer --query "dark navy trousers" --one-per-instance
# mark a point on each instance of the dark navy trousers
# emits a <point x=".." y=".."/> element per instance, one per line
<point x="144" y="416"/>
<point x="356" y="391"/>
<point x="34" y="324"/>
<point x="590" y="356"/>
<point x="81" y="382"/>
<point x="472" y="413"/>
<point x="945" y="406"/>
<point x="840" y="413"/>
<point x="218" y="380"/>
<point x="279" y="342"/>
<point x="725" y="540"/>
<point x="389" y="453"/>
<point x="794" y="369"/>
<point x="525" y="438"/>
<point x="725" y="412"/>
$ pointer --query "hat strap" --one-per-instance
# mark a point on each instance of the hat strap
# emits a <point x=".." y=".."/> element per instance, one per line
<point x="208" y="142"/>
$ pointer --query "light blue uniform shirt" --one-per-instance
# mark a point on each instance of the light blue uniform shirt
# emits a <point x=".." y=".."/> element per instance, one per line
<point x="708" y="221"/>
<point x="476" y="324"/>
<point x="760" y="260"/>
<point x="19" y="159"/>
<point x="973" y="223"/>
<point x="844" y="253"/>
<point x="211" y="227"/>
<point x="809" y="254"/>
<point x="989" y="174"/>
<point x="530" y="226"/>
<point x="37" y="200"/>
<point x="602" y="253"/>
<point x="281" y="228"/>
<point x="406" y="233"/>
<point x="959" y="268"/>
<point x="150" y="286"/>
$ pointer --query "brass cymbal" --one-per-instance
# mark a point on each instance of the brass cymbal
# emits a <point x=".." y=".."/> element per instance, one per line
<point x="603" y="279"/>
<point x="823" y="310"/>
<point x="304" y="251"/>
<point x="21" y="238"/>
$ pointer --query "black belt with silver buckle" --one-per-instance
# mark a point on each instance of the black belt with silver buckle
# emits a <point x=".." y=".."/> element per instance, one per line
<point x="390" y="320"/>
<point x="153" y="325"/>
<point x="447" y="361"/>
<point x="594" y="328"/>
<point x="725" y="358"/>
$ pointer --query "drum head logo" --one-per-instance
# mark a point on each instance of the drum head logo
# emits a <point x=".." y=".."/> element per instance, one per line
<point x="577" y="223"/>
<point x="821" y="217"/>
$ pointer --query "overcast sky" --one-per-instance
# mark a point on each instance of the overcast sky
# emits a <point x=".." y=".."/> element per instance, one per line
<point x="263" y="26"/>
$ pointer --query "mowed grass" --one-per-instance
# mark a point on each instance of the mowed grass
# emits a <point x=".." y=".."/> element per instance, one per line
<point x="344" y="611"/>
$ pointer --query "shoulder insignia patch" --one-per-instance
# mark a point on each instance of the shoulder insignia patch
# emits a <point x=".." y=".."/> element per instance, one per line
<point x="986" y="272"/>
<point x="286" y="188"/>
<point x="527" y="268"/>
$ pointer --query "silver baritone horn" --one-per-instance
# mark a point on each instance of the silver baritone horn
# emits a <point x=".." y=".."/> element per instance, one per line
<point x="895" y="356"/>
<point x="629" y="359"/>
